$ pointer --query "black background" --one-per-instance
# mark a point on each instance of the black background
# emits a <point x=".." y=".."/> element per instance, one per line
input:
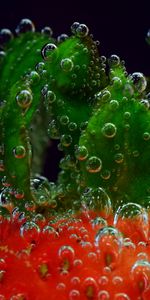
<point x="120" y="26"/>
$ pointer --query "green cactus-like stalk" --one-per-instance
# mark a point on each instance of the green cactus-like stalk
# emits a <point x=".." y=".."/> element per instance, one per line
<point x="102" y="121"/>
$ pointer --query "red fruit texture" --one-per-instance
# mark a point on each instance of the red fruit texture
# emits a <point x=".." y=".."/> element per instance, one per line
<point x="83" y="256"/>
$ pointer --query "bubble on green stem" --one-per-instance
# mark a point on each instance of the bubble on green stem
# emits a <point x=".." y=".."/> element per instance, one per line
<point x="19" y="151"/>
<point x="109" y="130"/>
<point x="24" y="99"/>
<point x="47" y="51"/>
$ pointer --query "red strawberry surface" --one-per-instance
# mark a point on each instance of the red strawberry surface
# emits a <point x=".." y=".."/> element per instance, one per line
<point x="78" y="257"/>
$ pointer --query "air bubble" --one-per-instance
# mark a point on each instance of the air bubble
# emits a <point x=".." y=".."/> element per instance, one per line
<point x="136" y="153"/>
<point x="74" y="27"/>
<point x="53" y="131"/>
<point x="146" y="103"/>
<point x="61" y="286"/>
<point x="103" y="96"/>
<point x="82" y="30"/>
<point x="98" y="223"/>
<point x="50" y="231"/>
<point x="83" y="126"/>
<point x="15" y="213"/>
<point x="30" y="232"/>
<point x="129" y="244"/>
<point x="24" y="26"/>
<point x="66" y="64"/>
<point x="109" y="130"/>
<point x="94" y="164"/>
<point x="19" y="152"/>
<point x="40" y="67"/>
<point x="97" y="199"/>
<point x="117" y="82"/>
<point x="66" y="140"/>
<point x="5" y="36"/>
<point x="109" y="231"/>
<point x="30" y="206"/>
<point x="34" y="77"/>
<point x="50" y="97"/>
<point x="66" y="251"/>
<point x="24" y="99"/>
<point x="92" y="256"/>
<point x="110" y="242"/>
<point x="135" y="211"/>
<point x="141" y="273"/>
<point x="103" y="280"/>
<point x="5" y="181"/>
<point x="74" y="294"/>
<point x="139" y="81"/>
<point x="48" y="50"/>
<point x="64" y="120"/>
<point x="142" y="256"/>
<point x="66" y="255"/>
<point x="61" y="38"/>
<point x="105" y="174"/>
<point x="81" y="153"/>
<point x="114" y="60"/>
<point x="127" y="115"/>
<point x="103" y="295"/>
<point x="39" y="219"/>
<point x="119" y="157"/>
<point x="72" y="126"/>
<point x="117" y="280"/>
<point x="78" y="263"/>
<point x="90" y="287"/>
<point x="47" y="31"/>
<point x="114" y="105"/>
<point x="146" y="136"/>
<point x="5" y="197"/>
<point x="44" y="90"/>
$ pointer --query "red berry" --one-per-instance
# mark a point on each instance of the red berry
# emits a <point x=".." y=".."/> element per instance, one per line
<point x="74" y="258"/>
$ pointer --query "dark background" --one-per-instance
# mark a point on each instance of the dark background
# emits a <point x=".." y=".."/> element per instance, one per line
<point x="120" y="26"/>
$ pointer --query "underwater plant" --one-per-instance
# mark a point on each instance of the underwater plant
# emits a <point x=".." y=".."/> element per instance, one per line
<point x="87" y="235"/>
